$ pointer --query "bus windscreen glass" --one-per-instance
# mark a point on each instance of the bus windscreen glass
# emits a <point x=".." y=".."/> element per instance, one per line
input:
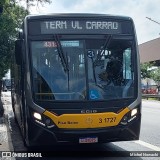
<point x="83" y="69"/>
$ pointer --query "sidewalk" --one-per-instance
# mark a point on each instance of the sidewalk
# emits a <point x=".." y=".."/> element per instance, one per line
<point x="5" y="138"/>
<point x="151" y="100"/>
<point x="4" y="97"/>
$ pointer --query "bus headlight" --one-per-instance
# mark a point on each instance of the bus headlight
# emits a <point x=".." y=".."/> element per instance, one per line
<point x="129" y="116"/>
<point x="134" y="112"/>
<point x="37" y="116"/>
<point x="43" y="120"/>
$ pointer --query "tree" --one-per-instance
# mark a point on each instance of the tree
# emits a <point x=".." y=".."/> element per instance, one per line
<point x="145" y="70"/>
<point x="156" y="77"/>
<point x="31" y="3"/>
<point x="10" y="21"/>
<point x="2" y="2"/>
<point x="1" y="9"/>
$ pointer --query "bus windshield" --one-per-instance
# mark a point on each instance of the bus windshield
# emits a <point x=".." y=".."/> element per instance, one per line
<point x="83" y="69"/>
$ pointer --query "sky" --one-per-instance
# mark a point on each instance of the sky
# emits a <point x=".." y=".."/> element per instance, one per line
<point x="138" y="10"/>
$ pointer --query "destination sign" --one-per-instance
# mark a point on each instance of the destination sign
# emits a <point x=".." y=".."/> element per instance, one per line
<point x="80" y="27"/>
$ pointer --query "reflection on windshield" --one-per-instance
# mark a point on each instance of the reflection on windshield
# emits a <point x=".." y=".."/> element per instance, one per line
<point x="50" y="79"/>
<point x="105" y="64"/>
<point x="110" y="72"/>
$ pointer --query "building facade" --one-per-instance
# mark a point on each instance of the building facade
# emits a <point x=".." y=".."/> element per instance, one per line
<point x="149" y="52"/>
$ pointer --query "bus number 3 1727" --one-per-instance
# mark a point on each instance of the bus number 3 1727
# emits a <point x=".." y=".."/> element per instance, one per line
<point x="107" y="120"/>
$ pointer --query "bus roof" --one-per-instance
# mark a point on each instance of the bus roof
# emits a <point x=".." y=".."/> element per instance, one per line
<point x="78" y="15"/>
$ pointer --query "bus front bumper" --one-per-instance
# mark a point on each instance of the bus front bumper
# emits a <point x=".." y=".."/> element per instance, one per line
<point x="38" y="135"/>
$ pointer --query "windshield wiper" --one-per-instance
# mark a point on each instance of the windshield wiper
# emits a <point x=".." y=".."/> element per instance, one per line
<point x="61" y="54"/>
<point x="64" y="59"/>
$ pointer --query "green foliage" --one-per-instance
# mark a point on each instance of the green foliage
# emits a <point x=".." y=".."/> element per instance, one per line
<point x="156" y="75"/>
<point x="10" y="21"/>
<point x="6" y="31"/>
<point x="31" y="3"/>
<point x="2" y="2"/>
<point x="145" y="71"/>
<point x="1" y="9"/>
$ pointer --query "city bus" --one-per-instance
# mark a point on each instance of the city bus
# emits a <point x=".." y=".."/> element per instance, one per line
<point x="76" y="79"/>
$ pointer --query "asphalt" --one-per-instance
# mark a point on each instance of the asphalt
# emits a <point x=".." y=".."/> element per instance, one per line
<point x="149" y="139"/>
<point x="5" y="138"/>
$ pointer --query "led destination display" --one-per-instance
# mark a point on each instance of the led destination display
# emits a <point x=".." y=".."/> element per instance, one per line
<point x="80" y="26"/>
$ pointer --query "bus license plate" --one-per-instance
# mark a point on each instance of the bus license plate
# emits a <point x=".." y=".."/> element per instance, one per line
<point x="88" y="140"/>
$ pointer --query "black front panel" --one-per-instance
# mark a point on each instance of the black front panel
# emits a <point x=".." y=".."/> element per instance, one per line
<point x="79" y="26"/>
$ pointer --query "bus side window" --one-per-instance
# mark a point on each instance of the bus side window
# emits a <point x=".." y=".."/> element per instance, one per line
<point x="127" y="64"/>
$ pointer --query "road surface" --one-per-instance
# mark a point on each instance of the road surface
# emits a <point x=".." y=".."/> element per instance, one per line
<point x="11" y="140"/>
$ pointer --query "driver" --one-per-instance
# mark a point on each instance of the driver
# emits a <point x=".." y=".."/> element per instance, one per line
<point x="113" y="71"/>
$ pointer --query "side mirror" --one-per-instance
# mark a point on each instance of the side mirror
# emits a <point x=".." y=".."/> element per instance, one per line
<point x="18" y="51"/>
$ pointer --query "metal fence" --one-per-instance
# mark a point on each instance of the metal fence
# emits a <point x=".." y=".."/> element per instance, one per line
<point x="156" y="96"/>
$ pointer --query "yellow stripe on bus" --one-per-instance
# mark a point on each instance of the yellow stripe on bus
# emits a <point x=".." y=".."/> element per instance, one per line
<point x="92" y="120"/>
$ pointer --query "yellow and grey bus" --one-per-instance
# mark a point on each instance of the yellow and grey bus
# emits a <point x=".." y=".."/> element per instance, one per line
<point x="76" y="79"/>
